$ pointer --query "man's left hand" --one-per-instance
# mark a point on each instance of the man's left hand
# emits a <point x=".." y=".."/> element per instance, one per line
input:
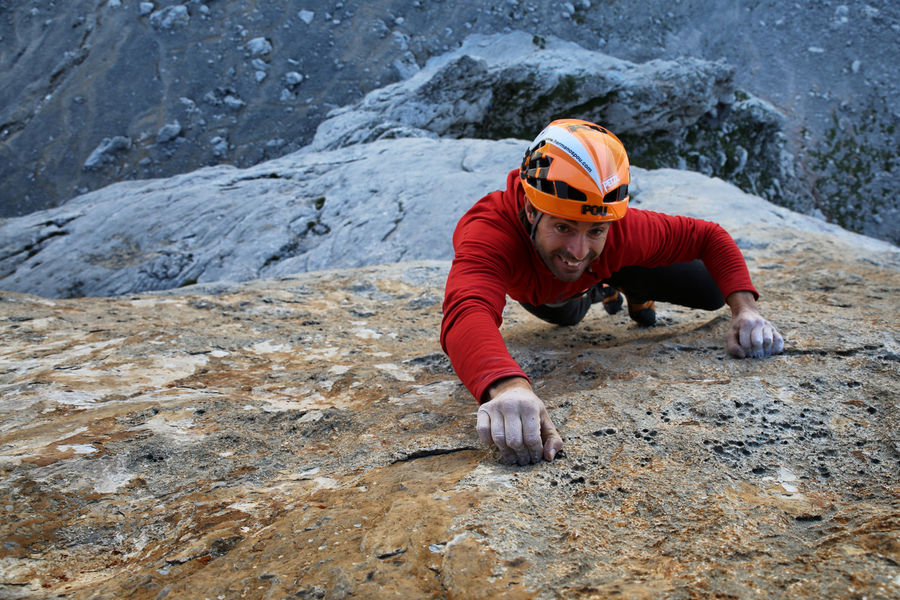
<point x="751" y="335"/>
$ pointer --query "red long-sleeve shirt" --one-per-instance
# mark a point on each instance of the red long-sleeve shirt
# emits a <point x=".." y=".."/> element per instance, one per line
<point x="495" y="257"/>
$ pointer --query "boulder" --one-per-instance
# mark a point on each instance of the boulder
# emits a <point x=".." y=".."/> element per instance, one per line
<point x="511" y="85"/>
<point x="682" y="114"/>
<point x="105" y="152"/>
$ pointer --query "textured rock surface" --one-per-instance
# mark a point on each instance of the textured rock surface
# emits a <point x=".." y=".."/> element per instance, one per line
<point x="305" y="437"/>
<point x="259" y="77"/>
<point x="358" y="206"/>
<point x="683" y="114"/>
<point x="512" y="85"/>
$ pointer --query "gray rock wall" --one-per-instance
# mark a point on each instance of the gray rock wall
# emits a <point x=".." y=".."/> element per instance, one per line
<point x="684" y="114"/>
<point x="512" y="85"/>
<point x="367" y="204"/>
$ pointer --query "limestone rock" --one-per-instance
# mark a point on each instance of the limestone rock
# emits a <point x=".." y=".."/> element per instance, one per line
<point x="171" y="17"/>
<point x="505" y="86"/>
<point x="682" y="114"/>
<point x="357" y="206"/>
<point x="305" y="437"/>
<point x="168" y="132"/>
<point x="105" y="152"/>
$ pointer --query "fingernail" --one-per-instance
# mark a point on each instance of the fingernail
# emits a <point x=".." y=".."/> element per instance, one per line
<point x="552" y="454"/>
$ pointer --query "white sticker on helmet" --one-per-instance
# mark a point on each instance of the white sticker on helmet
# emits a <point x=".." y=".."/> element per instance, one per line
<point x="563" y="139"/>
<point x="611" y="182"/>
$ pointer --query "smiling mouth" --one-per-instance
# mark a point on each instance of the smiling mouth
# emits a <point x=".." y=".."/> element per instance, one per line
<point x="572" y="264"/>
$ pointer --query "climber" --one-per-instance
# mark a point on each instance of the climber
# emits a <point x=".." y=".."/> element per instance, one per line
<point x="559" y="238"/>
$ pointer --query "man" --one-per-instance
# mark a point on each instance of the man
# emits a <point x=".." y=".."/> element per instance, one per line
<point x="560" y="237"/>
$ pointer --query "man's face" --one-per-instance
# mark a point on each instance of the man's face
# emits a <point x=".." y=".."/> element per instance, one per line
<point x="567" y="247"/>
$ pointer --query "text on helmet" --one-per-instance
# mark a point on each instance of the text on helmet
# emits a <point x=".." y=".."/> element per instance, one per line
<point x="594" y="209"/>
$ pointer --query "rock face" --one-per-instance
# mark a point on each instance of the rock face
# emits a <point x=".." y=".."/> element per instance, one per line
<point x="368" y="204"/>
<point x="682" y="114"/>
<point x="512" y="85"/>
<point x="98" y="92"/>
<point x="305" y="437"/>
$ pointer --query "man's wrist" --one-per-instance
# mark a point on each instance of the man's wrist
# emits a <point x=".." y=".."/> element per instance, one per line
<point x="507" y="383"/>
<point x="741" y="301"/>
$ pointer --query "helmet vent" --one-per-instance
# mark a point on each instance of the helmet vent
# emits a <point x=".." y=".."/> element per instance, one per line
<point x="536" y="168"/>
<point x="564" y="190"/>
<point x="616" y="195"/>
<point x="560" y="189"/>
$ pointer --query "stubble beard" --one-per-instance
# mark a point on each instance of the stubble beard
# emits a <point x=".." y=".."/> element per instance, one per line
<point x="551" y="260"/>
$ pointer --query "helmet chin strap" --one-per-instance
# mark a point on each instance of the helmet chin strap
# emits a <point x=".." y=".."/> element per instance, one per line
<point x="537" y="219"/>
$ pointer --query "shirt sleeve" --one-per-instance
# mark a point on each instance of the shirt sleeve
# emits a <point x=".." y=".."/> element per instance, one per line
<point x="667" y="239"/>
<point x="473" y="311"/>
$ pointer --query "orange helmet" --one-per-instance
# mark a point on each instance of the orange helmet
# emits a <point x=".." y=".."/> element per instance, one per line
<point x="577" y="170"/>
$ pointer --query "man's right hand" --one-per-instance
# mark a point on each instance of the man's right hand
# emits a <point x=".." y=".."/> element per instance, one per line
<point x="517" y="422"/>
